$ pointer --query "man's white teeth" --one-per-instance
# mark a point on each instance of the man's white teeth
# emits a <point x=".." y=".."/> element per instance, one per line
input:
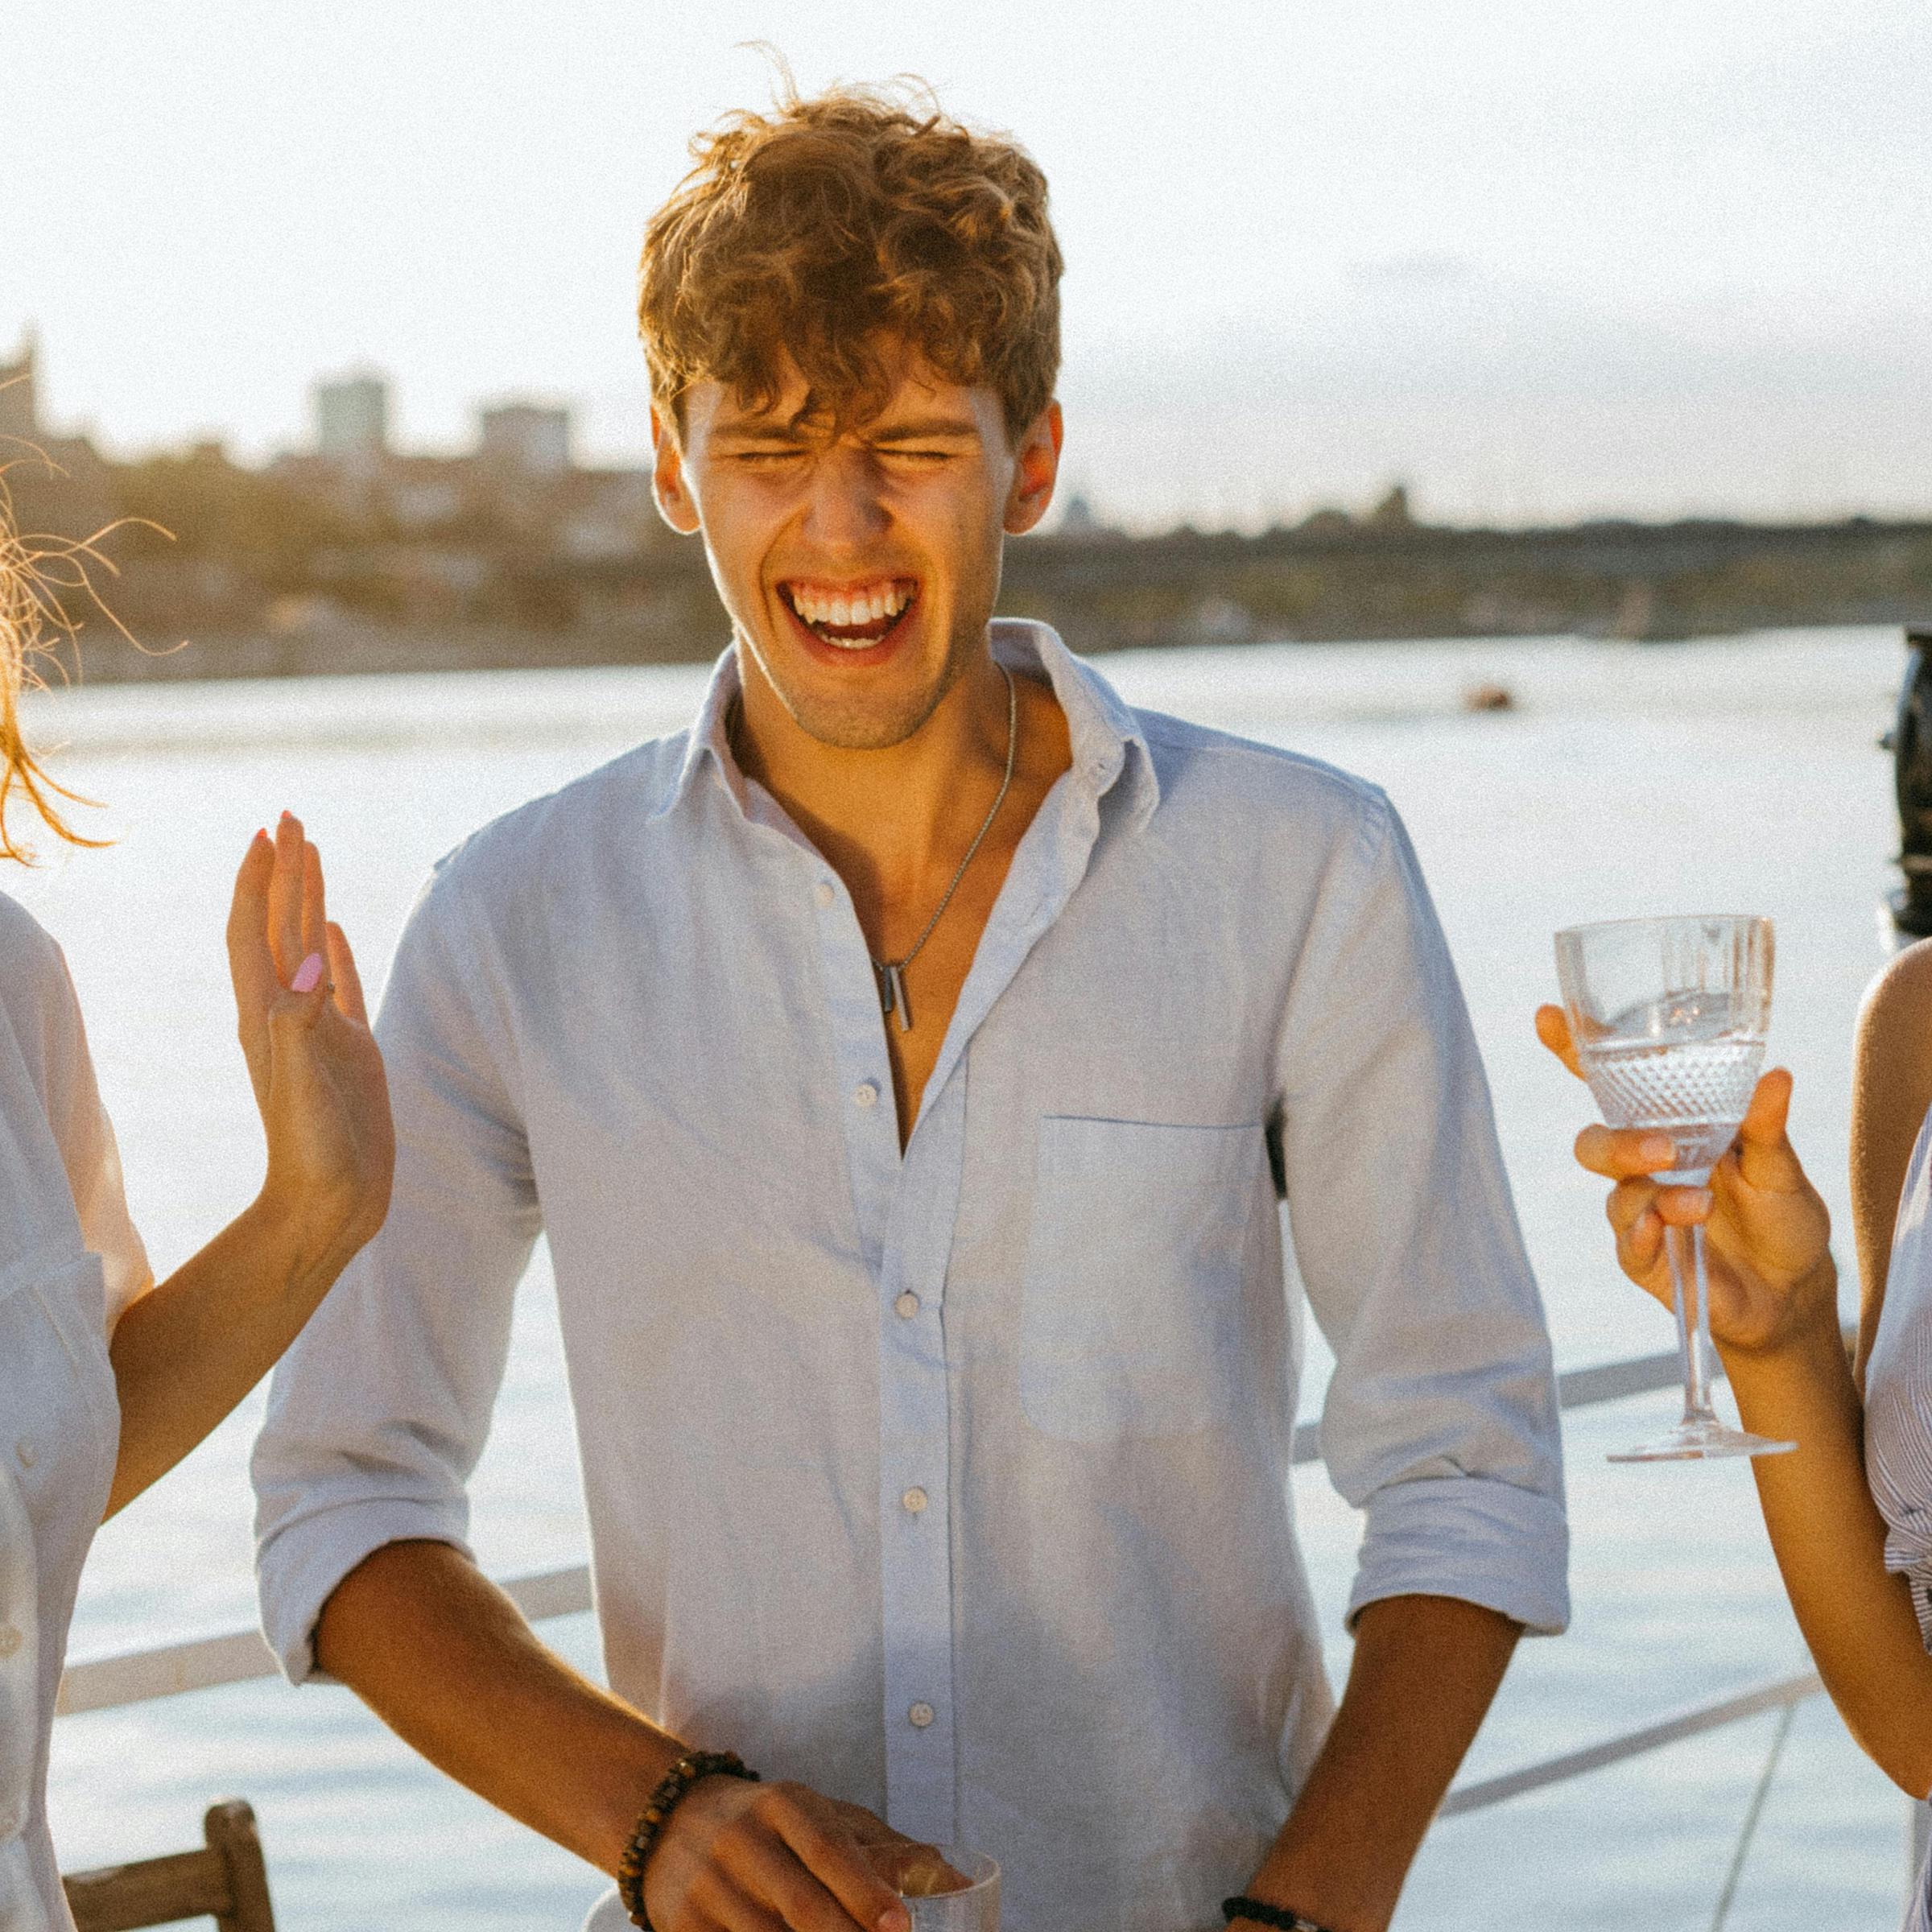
<point x="846" y="608"/>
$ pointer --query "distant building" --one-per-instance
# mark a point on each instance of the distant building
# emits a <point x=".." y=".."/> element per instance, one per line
<point x="352" y="417"/>
<point x="1393" y="511"/>
<point x="532" y="437"/>
<point x="19" y="415"/>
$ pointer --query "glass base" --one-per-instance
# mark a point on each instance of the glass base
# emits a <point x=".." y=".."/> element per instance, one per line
<point x="1700" y="1442"/>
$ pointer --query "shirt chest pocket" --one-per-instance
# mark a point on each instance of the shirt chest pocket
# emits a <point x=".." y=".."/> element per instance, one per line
<point x="1135" y="1271"/>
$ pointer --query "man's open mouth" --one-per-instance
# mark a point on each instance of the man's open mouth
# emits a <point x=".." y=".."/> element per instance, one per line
<point x="852" y="616"/>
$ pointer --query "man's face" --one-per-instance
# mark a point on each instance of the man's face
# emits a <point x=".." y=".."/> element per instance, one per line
<point x="859" y="570"/>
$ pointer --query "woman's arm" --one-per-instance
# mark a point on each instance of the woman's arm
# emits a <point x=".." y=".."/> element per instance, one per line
<point x="1891" y="1091"/>
<point x="1773" y="1306"/>
<point x="185" y="1353"/>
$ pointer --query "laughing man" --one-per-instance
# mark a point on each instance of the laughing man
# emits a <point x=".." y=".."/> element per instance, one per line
<point x="909" y="1064"/>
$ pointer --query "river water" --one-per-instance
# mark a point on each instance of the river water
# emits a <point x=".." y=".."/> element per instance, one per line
<point x="1734" y="775"/>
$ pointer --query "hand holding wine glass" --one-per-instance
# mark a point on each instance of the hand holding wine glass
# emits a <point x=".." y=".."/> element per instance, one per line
<point x="1769" y="1271"/>
<point x="1666" y="1018"/>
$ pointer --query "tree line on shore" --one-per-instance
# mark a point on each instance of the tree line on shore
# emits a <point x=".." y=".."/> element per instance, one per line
<point x="420" y="563"/>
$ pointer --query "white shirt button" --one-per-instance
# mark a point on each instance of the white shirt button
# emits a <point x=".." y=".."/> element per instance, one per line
<point x="920" y="1716"/>
<point x="824" y="892"/>
<point x="914" y="1500"/>
<point x="865" y="1094"/>
<point x="906" y="1307"/>
<point x="10" y="1640"/>
<point x="27" y="1452"/>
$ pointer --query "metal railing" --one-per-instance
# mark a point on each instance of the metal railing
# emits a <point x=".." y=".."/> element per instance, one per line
<point x="239" y="1656"/>
<point x="134" y="1676"/>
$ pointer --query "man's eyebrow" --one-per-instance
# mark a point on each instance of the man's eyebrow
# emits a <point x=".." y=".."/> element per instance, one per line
<point x="794" y="430"/>
<point x="923" y="428"/>
<point x="762" y="429"/>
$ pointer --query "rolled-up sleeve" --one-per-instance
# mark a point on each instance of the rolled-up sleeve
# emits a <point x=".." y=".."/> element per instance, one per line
<point x="378" y="1413"/>
<point x="1441" y="1422"/>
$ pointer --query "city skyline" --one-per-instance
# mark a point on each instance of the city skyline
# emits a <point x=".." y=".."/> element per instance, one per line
<point x="1536" y="266"/>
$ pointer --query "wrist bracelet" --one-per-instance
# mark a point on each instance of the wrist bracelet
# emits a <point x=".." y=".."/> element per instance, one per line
<point x="670" y="1789"/>
<point x="1263" y="1914"/>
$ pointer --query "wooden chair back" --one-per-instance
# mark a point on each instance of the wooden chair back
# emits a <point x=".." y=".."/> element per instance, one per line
<point x="227" y="1881"/>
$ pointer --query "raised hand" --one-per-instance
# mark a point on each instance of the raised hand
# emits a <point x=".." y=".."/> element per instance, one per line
<point x="314" y="1064"/>
<point x="1768" y="1233"/>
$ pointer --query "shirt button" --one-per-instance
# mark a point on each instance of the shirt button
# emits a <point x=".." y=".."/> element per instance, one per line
<point x="920" y="1716"/>
<point x="824" y="892"/>
<point x="906" y="1307"/>
<point x="26" y="1452"/>
<point x="10" y="1640"/>
<point x="915" y="1501"/>
<point x="865" y="1094"/>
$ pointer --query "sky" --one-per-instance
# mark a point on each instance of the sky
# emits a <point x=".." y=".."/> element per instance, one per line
<point x="1537" y="261"/>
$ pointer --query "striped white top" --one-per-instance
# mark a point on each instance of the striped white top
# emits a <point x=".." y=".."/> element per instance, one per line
<point x="1898" y="1417"/>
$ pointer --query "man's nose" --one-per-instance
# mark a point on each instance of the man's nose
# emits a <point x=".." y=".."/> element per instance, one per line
<point x="846" y="507"/>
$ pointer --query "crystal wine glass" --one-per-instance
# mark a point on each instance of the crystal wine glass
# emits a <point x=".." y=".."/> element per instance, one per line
<point x="1669" y="1018"/>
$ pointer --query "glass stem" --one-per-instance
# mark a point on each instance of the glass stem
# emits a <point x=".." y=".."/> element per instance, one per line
<point x="1686" y="1249"/>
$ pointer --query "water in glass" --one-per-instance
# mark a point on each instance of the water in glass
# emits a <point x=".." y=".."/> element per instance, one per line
<point x="973" y="1908"/>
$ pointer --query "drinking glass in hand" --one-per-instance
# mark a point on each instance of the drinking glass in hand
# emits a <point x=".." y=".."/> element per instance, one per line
<point x="949" y="1906"/>
<point x="1669" y="1018"/>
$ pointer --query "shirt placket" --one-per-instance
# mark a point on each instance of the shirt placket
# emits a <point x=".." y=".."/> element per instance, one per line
<point x="904" y="1213"/>
<point x="905" y="1210"/>
<point x="916" y="1486"/>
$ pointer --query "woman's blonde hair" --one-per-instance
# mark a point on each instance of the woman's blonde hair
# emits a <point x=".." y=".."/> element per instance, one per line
<point x="37" y="574"/>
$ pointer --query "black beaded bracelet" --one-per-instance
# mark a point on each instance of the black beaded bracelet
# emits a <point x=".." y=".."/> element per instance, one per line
<point x="1263" y="1914"/>
<point x="672" y="1787"/>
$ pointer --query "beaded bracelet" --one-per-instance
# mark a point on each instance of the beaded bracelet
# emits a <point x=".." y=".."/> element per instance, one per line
<point x="672" y="1787"/>
<point x="1263" y="1914"/>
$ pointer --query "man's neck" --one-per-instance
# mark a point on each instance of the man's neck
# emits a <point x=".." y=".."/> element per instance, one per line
<point x="886" y="819"/>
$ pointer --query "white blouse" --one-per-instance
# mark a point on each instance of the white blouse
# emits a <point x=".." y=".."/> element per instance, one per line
<point x="70" y="1263"/>
<point x="1898" y="1415"/>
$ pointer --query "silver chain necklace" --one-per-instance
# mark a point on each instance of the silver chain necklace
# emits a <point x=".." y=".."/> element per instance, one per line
<point x="892" y="985"/>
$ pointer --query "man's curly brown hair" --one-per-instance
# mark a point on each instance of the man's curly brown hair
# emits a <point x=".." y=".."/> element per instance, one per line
<point x="834" y="230"/>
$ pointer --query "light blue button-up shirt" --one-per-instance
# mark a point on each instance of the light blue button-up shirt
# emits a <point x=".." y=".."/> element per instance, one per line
<point x="953" y="1482"/>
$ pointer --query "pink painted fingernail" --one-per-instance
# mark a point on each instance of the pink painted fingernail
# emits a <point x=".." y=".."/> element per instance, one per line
<point x="308" y="975"/>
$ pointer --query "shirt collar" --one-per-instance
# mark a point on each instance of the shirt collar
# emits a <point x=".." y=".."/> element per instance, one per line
<point x="710" y="737"/>
<point x="1108" y="742"/>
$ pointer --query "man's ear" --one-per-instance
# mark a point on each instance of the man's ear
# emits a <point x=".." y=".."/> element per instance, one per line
<point x="1036" y="469"/>
<point x="675" y="504"/>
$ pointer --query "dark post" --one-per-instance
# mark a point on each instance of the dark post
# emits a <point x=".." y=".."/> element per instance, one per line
<point x="1912" y="771"/>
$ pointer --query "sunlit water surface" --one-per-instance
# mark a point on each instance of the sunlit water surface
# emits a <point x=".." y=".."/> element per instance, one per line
<point x="1739" y="775"/>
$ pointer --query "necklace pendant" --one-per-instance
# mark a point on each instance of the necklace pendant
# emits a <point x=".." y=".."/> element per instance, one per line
<point x="892" y="995"/>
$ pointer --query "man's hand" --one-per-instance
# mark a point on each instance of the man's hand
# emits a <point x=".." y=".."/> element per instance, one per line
<point x="746" y="1857"/>
<point x="1772" y="1280"/>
